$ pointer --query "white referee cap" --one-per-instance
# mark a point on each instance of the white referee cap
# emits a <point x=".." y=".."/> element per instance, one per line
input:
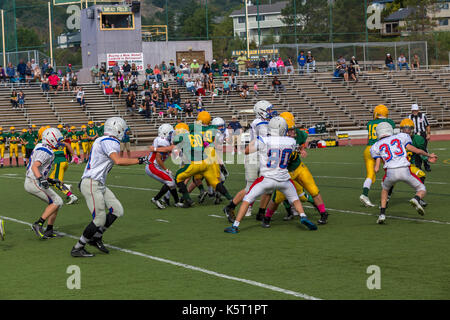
<point x="415" y="107"/>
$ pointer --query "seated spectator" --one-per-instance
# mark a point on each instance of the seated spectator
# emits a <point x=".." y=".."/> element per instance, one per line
<point x="102" y="71"/>
<point x="289" y="66"/>
<point x="147" y="87"/>
<point x="226" y="70"/>
<point x="244" y="90"/>
<point x="263" y="66"/>
<point x="184" y="66"/>
<point x="233" y="82"/>
<point x="80" y="98"/>
<point x="130" y="102"/>
<point x="211" y="85"/>
<point x="339" y="71"/>
<point x="180" y="78"/>
<point x="280" y="66"/>
<point x="341" y="60"/>
<point x="242" y="63"/>
<point x="273" y="67"/>
<point x="149" y="73"/>
<point x="118" y="90"/>
<point x="65" y="82"/>
<point x="190" y="86"/>
<point x="256" y="89"/>
<point x="133" y="86"/>
<point x="195" y="67"/>
<point x="215" y="68"/>
<point x="115" y="69"/>
<point x="28" y="73"/>
<point x="126" y="84"/>
<point x="214" y="93"/>
<point x="351" y="73"/>
<point x="166" y="88"/>
<point x="176" y="97"/>
<point x="172" y="68"/>
<point x="45" y="84"/>
<point x="134" y="71"/>
<point x="252" y="67"/>
<point x="200" y="106"/>
<point x="277" y="85"/>
<point x="389" y="62"/>
<point x="355" y="64"/>
<point x="155" y="98"/>
<point x="157" y="72"/>
<point x="110" y="73"/>
<point x="44" y="67"/>
<point x="188" y="108"/>
<point x="206" y="68"/>
<point x="106" y="85"/>
<point x="310" y="62"/>
<point x="53" y="80"/>
<point x="2" y="74"/>
<point x="402" y="62"/>
<point x="49" y="70"/>
<point x="11" y="73"/>
<point x="416" y="62"/>
<point x="21" y="99"/>
<point x="120" y="79"/>
<point x="155" y="86"/>
<point x="149" y="107"/>
<point x="14" y="99"/>
<point x="200" y="90"/>
<point x="172" y="109"/>
<point x="234" y="67"/>
<point x="226" y="86"/>
<point x="36" y="73"/>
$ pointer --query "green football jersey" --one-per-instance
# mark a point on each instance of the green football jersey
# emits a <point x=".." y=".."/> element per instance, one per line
<point x="84" y="136"/>
<point x="101" y="131"/>
<point x="420" y="143"/>
<point x="3" y="137"/>
<point x="30" y="138"/>
<point x="372" y="128"/>
<point x="295" y="160"/>
<point x="92" y="131"/>
<point x="59" y="155"/>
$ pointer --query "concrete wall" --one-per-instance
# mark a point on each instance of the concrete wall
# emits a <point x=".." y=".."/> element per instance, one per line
<point x="95" y="43"/>
<point x="159" y="51"/>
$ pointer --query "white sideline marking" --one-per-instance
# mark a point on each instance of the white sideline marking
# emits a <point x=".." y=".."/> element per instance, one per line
<point x="215" y="216"/>
<point x="161" y="220"/>
<point x="187" y="266"/>
<point x="330" y="209"/>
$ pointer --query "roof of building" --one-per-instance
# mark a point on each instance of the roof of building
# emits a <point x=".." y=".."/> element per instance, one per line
<point x="401" y="14"/>
<point x="263" y="9"/>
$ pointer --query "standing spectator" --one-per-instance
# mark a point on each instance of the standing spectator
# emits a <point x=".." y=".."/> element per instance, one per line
<point x="53" y="79"/>
<point x="149" y="107"/>
<point x="310" y="62"/>
<point x="215" y="68"/>
<point x="242" y="63"/>
<point x="389" y="62"/>
<point x="226" y="70"/>
<point x="244" y="90"/>
<point x="36" y="72"/>
<point x="206" y="68"/>
<point x="21" y="99"/>
<point x="280" y="66"/>
<point x="120" y="80"/>
<point x="416" y="62"/>
<point x="195" y="67"/>
<point x="277" y="85"/>
<point x="188" y="108"/>
<point x="172" y="68"/>
<point x="402" y="62"/>
<point x="45" y="84"/>
<point x="14" y="99"/>
<point x="125" y="143"/>
<point x="94" y="73"/>
<point x="301" y="60"/>
<point x="80" y="98"/>
<point x="256" y="89"/>
<point x="236" y="130"/>
<point x="126" y="68"/>
<point x="355" y="64"/>
<point x="69" y="69"/>
<point x="102" y="71"/>
<point x="115" y="68"/>
<point x="422" y="128"/>
<point x="263" y="66"/>
<point x="11" y="73"/>
<point x="289" y="66"/>
<point x="273" y="67"/>
<point x="21" y="70"/>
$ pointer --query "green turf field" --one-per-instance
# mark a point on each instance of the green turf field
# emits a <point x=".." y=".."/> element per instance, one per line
<point x="184" y="253"/>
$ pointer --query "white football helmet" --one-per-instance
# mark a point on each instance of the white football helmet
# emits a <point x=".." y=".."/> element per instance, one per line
<point x="219" y="122"/>
<point x="165" y="131"/>
<point x="52" y="137"/>
<point x="115" y="127"/>
<point x="278" y="127"/>
<point x="263" y="109"/>
<point x="384" y="129"/>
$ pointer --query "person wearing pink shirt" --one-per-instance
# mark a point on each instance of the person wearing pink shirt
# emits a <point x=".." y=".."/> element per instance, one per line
<point x="53" y="80"/>
<point x="280" y="66"/>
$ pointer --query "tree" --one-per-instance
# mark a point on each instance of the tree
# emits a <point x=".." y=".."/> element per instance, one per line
<point x="349" y="20"/>
<point x="420" y="20"/>
<point x="27" y="39"/>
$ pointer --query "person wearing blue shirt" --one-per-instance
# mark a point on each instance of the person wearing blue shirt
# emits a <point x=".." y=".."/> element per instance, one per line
<point x="301" y="62"/>
<point x="11" y="72"/>
<point x="21" y="69"/>
<point x="125" y="143"/>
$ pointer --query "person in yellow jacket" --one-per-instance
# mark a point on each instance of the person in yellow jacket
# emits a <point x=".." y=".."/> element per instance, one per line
<point x="85" y="143"/>
<point x="75" y="139"/>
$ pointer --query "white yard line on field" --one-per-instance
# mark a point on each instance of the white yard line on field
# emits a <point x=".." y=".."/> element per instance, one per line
<point x="190" y="267"/>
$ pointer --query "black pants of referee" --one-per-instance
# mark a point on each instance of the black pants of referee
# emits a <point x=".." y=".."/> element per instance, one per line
<point x="419" y="160"/>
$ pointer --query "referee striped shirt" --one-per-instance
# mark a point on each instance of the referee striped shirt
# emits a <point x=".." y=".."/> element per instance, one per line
<point x="420" y="123"/>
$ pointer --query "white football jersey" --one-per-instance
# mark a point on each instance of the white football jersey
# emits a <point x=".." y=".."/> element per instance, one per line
<point x="259" y="128"/>
<point x="392" y="150"/>
<point x="44" y="154"/>
<point x="157" y="143"/>
<point x="100" y="163"/>
<point x="274" y="156"/>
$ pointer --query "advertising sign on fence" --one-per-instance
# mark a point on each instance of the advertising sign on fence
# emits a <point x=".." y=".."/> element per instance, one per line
<point x="120" y="58"/>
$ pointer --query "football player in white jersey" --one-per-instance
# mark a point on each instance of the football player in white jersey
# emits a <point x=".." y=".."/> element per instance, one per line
<point x="392" y="149"/>
<point x="259" y="128"/>
<point x="158" y="171"/>
<point x="275" y="151"/>
<point x="37" y="182"/>
<point x="102" y="203"/>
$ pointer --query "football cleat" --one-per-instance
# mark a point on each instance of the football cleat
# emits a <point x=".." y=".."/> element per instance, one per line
<point x="231" y="229"/>
<point x="230" y="214"/>
<point x="158" y="204"/>
<point x="259" y="216"/>
<point x="266" y="222"/>
<point x="423" y="203"/>
<point x="366" y="201"/>
<point x="98" y="243"/>
<point x="72" y="199"/>
<point x="417" y="206"/>
<point x="179" y="205"/>
<point x="307" y="223"/>
<point x="80" y="253"/>
<point x="218" y="198"/>
<point x="38" y="229"/>
<point x="49" y="234"/>
<point x="2" y="229"/>
<point x="188" y="203"/>
<point x="202" y="196"/>
<point x="323" y="218"/>
<point x="166" y="201"/>
<point x="381" y="219"/>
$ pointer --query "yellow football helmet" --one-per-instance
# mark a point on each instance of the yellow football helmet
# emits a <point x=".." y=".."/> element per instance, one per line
<point x="407" y="126"/>
<point x="380" y="111"/>
<point x="41" y="131"/>
<point x="73" y="128"/>
<point x="204" y="117"/>
<point x="91" y="123"/>
<point x="83" y="126"/>
<point x="290" y="120"/>
<point x="24" y="130"/>
<point x="181" y="127"/>
<point x="12" y="128"/>
<point x="60" y="126"/>
<point x="1" y="129"/>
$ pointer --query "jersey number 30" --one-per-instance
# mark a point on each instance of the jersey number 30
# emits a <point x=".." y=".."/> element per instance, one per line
<point x="278" y="158"/>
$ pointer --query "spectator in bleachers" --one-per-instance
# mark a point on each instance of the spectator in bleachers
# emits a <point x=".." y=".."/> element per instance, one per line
<point x="120" y="79"/>
<point x="106" y="83"/>
<point x="355" y="64"/>
<point x="206" y="68"/>
<point x="301" y="60"/>
<point x="11" y="73"/>
<point x="172" y="109"/>
<point x="94" y="73"/>
<point x="190" y="86"/>
<point x="180" y="78"/>
<point x="415" y="65"/>
<point x="80" y="98"/>
<point x="45" y="65"/>
<point x="200" y="90"/>
<point x="69" y="69"/>
<point x="53" y="80"/>
<point x="273" y="67"/>
<point x="252" y="68"/>
<point x="172" y="68"/>
<point x="234" y="68"/>
<point x="214" y="93"/>
<point x="133" y="86"/>
<point x="233" y="80"/>
<point x="289" y="66"/>
<point x="402" y="62"/>
<point x="49" y="71"/>
<point x="235" y="130"/>
<point x="263" y="66"/>
<point x="176" y="97"/>
<point x="14" y="99"/>
<point x="130" y="102"/>
<point x="102" y="71"/>
<point x="195" y="67"/>
<point x="126" y="69"/>
<point x="242" y="63"/>
<point x="389" y="62"/>
<point x="188" y="108"/>
<point x="146" y="87"/>
<point x="280" y="66"/>
<point x="28" y="73"/>
<point x="351" y="73"/>
<point x="277" y="85"/>
<point x="74" y="83"/>
<point x="118" y="90"/>
<point x="310" y="62"/>
<point x="155" y="98"/>
<point x="215" y="68"/>
<point x="255" y="89"/>
<point x="134" y="71"/>
<point x="148" y="106"/>
<point x="157" y="72"/>
<point x="163" y="68"/>
<point x="21" y="70"/>
<point x="2" y="74"/>
<point x="45" y="84"/>
<point x="149" y="75"/>
<point x="184" y="66"/>
<point x="339" y="72"/>
<point x="226" y="86"/>
<point x="200" y="105"/>
<point x="36" y="72"/>
<point x="226" y="70"/>
<point x="244" y="90"/>
<point x="155" y="86"/>
<point x="341" y="60"/>
<point x="65" y="82"/>
<point x="166" y="88"/>
<point x="210" y="84"/>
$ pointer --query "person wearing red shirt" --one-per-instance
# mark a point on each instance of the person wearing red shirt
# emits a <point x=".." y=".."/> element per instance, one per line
<point x="54" y="81"/>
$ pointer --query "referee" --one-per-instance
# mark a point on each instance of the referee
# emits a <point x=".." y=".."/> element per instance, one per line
<point x="421" y="128"/>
